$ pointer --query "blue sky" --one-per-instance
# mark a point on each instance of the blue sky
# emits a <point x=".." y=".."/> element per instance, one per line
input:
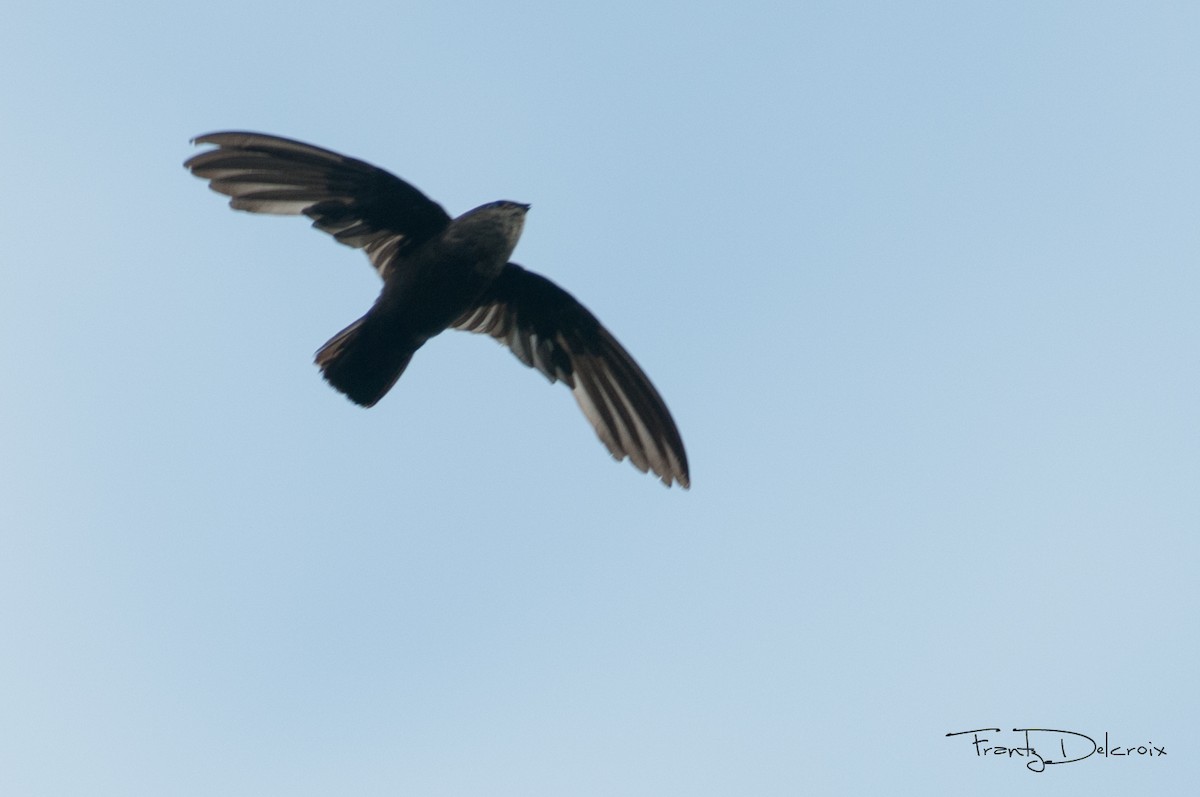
<point x="918" y="282"/>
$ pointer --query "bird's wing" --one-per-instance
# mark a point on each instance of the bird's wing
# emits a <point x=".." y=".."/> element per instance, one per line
<point x="358" y="204"/>
<point x="548" y="329"/>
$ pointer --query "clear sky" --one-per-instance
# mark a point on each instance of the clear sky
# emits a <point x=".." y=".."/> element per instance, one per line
<point x="918" y="282"/>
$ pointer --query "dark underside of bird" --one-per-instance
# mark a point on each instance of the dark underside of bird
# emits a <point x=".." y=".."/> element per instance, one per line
<point x="444" y="273"/>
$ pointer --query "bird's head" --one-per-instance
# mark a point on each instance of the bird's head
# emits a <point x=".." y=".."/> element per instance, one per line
<point x="503" y="218"/>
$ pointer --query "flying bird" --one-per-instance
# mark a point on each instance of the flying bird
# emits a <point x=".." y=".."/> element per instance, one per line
<point x="441" y="273"/>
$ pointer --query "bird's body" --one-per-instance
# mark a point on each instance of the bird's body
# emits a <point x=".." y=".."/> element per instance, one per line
<point x="427" y="288"/>
<point x="441" y="273"/>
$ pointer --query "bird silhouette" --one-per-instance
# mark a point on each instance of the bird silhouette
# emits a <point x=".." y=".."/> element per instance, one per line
<point x="441" y="273"/>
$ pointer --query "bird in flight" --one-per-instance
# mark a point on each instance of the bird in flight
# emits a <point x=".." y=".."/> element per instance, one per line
<point x="441" y="273"/>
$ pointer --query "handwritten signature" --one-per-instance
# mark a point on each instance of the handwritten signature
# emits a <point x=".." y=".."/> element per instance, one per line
<point x="1056" y="747"/>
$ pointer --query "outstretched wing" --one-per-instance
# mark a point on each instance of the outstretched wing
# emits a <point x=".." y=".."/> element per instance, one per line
<point x="548" y="329"/>
<point x="358" y="204"/>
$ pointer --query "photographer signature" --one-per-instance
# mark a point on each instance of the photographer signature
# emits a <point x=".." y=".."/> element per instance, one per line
<point x="1053" y="747"/>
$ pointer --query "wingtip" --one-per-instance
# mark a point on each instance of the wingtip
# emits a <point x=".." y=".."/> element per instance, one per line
<point x="681" y="479"/>
<point x="204" y="138"/>
<point x="234" y="138"/>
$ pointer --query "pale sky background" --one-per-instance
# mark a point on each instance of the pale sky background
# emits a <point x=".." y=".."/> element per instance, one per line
<point x="918" y="282"/>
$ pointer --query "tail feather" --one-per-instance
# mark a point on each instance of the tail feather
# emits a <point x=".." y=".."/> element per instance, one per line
<point x="364" y="360"/>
